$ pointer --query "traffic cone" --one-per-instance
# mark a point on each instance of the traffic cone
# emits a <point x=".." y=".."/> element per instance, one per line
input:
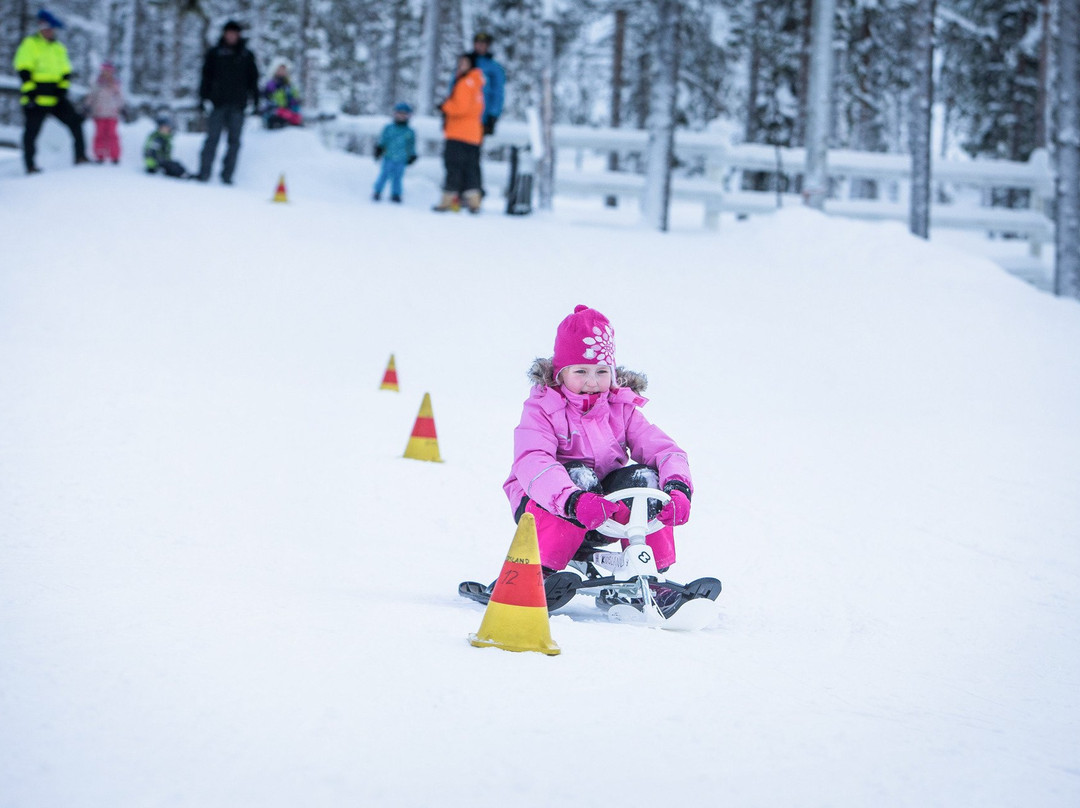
<point x="279" y="194"/>
<point x="389" y="379"/>
<point x="423" y="444"/>
<point x="516" y="618"/>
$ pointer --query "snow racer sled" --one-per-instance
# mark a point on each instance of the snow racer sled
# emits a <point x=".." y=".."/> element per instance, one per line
<point x="625" y="584"/>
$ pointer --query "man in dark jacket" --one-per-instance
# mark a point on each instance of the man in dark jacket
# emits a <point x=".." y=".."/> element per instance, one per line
<point x="229" y="80"/>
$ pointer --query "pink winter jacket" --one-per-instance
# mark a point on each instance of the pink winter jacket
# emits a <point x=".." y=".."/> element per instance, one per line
<point x="554" y="430"/>
<point x="105" y="100"/>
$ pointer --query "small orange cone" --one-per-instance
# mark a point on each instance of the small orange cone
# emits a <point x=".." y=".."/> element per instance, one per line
<point x="516" y="618"/>
<point x="279" y="194"/>
<point x="423" y="445"/>
<point x="389" y="379"/>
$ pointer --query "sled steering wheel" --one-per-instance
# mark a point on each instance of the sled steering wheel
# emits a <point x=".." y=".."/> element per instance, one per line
<point x="639" y="525"/>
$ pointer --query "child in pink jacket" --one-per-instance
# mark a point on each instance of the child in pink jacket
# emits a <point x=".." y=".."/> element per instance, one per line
<point x="105" y="102"/>
<point x="580" y="426"/>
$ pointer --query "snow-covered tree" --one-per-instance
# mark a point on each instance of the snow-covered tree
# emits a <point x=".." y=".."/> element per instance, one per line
<point x="819" y="94"/>
<point x="429" y="66"/>
<point x="1067" y="139"/>
<point x="991" y="70"/>
<point x="921" y="117"/>
<point x="665" y="87"/>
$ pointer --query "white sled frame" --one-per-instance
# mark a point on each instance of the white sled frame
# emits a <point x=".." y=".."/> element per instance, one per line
<point x="638" y="564"/>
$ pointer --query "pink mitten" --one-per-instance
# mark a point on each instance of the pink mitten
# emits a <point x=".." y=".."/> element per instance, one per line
<point x="593" y="510"/>
<point x="677" y="511"/>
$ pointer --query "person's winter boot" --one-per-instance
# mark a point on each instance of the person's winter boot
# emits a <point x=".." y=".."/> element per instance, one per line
<point x="375" y="197"/>
<point x="449" y="201"/>
<point x="472" y="200"/>
<point x="395" y="198"/>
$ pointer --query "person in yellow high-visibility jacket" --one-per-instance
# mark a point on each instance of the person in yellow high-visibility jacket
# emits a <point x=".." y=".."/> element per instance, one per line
<point x="43" y="65"/>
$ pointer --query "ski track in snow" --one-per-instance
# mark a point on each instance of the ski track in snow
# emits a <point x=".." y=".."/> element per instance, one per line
<point x="220" y="584"/>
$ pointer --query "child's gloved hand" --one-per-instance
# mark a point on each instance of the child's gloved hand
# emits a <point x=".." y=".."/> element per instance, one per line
<point x="677" y="511"/>
<point x="593" y="510"/>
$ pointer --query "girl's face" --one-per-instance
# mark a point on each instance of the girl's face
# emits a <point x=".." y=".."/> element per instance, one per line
<point x="586" y="379"/>
<point x="463" y="66"/>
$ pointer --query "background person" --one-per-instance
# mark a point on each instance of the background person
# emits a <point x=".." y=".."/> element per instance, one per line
<point x="229" y="80"/>
<point x="282" y="100"/>
<point x="157" y="151"/>
<point x="494" y="80"/>
<point x="105" y="103"/>
<point x="397" y="149"/>
<point x="43" y="65"/>
<point x="463" y="132"/>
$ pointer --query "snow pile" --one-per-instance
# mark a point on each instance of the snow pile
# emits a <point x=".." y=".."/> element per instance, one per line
<point x="221" y="585"/>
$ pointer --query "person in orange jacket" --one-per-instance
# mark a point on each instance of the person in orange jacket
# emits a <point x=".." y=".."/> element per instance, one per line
<point x="463" y="130"/>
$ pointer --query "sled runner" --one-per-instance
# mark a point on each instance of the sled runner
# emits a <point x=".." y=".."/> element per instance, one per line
<point x="626" y="584"/>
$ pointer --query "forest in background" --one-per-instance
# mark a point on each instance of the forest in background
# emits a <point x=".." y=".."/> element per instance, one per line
<point x="918" y="77"/>
<point x="743" y="64"/>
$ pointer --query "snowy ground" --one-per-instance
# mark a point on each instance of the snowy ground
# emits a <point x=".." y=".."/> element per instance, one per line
<point x="220" y="585"/>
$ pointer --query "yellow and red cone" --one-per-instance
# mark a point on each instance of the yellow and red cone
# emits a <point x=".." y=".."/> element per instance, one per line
<point x="389" y="379"/>
<point x="423" y="443"/>
<point x="280" y="195"/>
<point x="516" y="618"/>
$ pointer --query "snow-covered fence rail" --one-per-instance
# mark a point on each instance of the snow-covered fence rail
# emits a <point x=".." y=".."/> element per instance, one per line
<point x="716" y="168"/>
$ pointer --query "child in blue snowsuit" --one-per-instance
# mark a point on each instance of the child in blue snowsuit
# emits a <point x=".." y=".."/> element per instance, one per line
<point x="397" y="149"/>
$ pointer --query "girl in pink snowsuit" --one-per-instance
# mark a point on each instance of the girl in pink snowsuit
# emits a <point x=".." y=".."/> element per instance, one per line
<point x="580" y="425"/>
<point x="104" y="103"/>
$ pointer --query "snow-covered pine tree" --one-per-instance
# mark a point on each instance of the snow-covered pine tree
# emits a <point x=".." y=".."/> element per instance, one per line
<point x="430" y="69"/>
<point x="771" y="33"/>
<point x="390" y="51"/>
<point x="1067" y="141"/>
<point x="990" y="50"/>
<point x="873" y="81"/>
<point x="665" y="87"/>
<point x="922" y="101"/>
<point x="546" y="168"/>
<point x="618" y="61"/>
<point x="815" y="188"/>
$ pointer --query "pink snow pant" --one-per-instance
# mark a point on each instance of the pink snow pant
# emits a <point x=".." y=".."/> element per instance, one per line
<point x="106" y="140"/>
<point x="560" y="538"/>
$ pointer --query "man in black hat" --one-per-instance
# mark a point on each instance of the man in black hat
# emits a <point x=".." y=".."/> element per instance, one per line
<point x="229" y="80"/>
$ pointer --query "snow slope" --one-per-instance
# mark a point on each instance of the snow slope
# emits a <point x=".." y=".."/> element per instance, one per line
<point x="220" y="585"/>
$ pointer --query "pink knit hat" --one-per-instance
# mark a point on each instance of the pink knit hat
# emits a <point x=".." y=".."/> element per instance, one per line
<point x="584" y="338"/>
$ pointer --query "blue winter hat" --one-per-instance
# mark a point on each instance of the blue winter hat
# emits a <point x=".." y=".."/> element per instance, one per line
<point x="401" y="106"/>
<point x="49" y="20"/>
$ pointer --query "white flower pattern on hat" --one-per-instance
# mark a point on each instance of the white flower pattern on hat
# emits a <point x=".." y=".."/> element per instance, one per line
<point x="602" y="346"/>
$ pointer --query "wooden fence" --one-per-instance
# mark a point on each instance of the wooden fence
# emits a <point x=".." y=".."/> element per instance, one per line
<point x="717" y="175"/>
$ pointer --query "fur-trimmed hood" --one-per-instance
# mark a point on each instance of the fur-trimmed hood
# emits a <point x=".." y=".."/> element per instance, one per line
<point x="542" y="374"/>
